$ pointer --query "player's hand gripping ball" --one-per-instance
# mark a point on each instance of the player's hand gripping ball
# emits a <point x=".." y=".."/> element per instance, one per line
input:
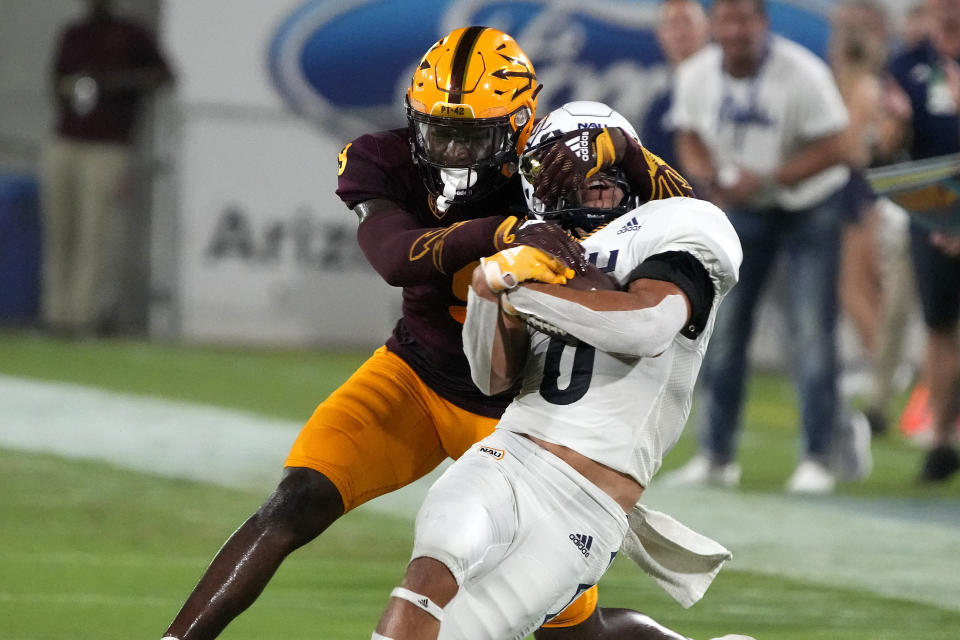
<point x="508" y="268"/>
<point x="551" y="238"/>
<point x="592" y="279"/>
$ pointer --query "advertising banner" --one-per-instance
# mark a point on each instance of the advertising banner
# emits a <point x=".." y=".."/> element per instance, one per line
<point x="269" y="92"/>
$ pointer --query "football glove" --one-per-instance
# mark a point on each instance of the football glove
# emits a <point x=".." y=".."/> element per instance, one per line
<point x="576" y="156"/>
<point x="546" y="236"/>
<point x="551" y="238"/>
<point x="508" y="268"/>
<point x="505" y="235"/>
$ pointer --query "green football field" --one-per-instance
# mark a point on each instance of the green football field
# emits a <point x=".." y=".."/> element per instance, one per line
<point x="101" y="550"/>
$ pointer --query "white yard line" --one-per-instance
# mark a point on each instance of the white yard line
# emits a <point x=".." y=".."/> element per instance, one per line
<point x="890" y="547"/>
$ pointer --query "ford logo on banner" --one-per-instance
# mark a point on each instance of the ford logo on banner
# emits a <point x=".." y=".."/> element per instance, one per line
<point x="346" y="65"/>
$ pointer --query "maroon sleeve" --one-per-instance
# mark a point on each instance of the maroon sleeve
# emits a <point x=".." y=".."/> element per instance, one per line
<point x="650" y="177"/>
<point x="402" y="242"/>
<point x="405" y="253"/>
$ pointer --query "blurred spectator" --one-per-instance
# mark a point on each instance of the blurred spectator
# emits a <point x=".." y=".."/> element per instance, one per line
<point x="682" y="30"/>
<point x="930" y="75"/>
<point x="916" y="26"/>
<point x="103" y="68"/>
<point x="858" y="53"/>
<point x="760" y="130"/>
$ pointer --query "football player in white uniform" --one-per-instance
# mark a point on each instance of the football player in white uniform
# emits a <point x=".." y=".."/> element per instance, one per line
<point x="534" y="514"/>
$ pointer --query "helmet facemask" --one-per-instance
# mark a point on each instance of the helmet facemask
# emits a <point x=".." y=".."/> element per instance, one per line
<point x="603" y="197"/>
<point x="462" y="159"/>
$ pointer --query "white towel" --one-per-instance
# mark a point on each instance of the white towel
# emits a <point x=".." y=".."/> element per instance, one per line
<point x="682" y="561"/>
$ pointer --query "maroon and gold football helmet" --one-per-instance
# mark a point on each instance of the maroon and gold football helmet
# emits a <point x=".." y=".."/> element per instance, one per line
<point x="470" y="107"/>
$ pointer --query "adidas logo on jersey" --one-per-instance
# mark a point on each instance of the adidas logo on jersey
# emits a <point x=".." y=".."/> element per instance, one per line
<point x="490" y="451"/>
<point x="583" y="542"/>
<point x="633" y="225"/>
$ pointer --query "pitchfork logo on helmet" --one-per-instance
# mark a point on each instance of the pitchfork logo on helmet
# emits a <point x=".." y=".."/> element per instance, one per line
<point x="470" y="106"/>
<point x="572" y="210"/>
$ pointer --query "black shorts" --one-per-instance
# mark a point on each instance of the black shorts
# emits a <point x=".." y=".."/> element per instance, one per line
<point x="938" y="280"/>
<point x="858" y="196"/>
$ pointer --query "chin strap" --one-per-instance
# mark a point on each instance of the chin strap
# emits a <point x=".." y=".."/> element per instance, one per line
<point x="454" y="180"/>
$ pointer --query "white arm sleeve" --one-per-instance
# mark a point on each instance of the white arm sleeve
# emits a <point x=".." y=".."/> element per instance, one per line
<point x="637" y="332"/>
<point x="479" y="330"/>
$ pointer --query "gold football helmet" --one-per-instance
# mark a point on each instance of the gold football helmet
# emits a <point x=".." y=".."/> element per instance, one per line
<point x="470" y="107"/>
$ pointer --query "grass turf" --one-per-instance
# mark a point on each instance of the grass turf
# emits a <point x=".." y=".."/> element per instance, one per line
<point x="89" y="551"/>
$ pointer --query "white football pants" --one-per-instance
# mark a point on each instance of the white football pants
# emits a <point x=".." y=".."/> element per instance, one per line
<point x="522" y="532"/>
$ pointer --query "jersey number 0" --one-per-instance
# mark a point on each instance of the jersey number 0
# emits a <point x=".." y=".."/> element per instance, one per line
<point x="580" y="373"/>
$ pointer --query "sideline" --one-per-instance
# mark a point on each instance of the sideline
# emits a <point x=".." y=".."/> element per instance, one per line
<point x="896" y="548"/>
<point x="225" y="447"/>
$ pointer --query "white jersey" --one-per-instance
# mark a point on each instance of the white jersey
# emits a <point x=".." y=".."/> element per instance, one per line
<point x="758" y="122"/>
<point x="627" y="412"/>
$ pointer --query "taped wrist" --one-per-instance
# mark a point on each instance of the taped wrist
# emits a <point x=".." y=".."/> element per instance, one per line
<point x="508" y="268"/>
<point x="638" y="332"/>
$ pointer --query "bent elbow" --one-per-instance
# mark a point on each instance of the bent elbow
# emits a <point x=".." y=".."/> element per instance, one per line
<point x="485" y="384"/>
<point x="393" y="272"/>
<point x="636" y="347"/>
<point x="498" y="385"/>
<point x="651" y="348"/>
<point x="491" y="384"/>
<point x="393" y="278"/>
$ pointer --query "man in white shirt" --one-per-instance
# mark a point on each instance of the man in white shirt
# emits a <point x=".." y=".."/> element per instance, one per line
<point x="759" y="123"/>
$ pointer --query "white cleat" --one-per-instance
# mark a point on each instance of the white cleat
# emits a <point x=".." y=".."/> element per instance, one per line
<point x="852" y="459"/>
<point x="699" y="471"/>
<point x="811" y="477"/>
<point x="734" y="636"/>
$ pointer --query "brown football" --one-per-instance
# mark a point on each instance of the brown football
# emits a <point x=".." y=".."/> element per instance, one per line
<point x="592" y="278"/>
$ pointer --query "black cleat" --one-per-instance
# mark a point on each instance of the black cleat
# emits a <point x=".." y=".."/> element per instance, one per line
<point x="941" y="462"/>
<point x="877" y="419"/>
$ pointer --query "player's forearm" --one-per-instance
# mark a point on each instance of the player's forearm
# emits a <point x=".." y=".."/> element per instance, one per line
<point x="495" y="344"/>
<point x="810" y="160"/>
<point x="649" y="176"/>
<point x="406" y="254"/>
<point x="627" y="323"/>
<point x="695" y="162"/>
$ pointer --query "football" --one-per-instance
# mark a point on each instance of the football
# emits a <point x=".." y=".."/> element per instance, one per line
<point x="591" y="279"/>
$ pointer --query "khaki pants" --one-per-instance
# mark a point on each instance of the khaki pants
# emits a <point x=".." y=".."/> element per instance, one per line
<point x="80" y="197"/>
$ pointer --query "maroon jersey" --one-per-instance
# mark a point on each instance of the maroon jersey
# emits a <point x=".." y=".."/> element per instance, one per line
<point x="98" y="46"/>
<point x="430" y="254"/>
